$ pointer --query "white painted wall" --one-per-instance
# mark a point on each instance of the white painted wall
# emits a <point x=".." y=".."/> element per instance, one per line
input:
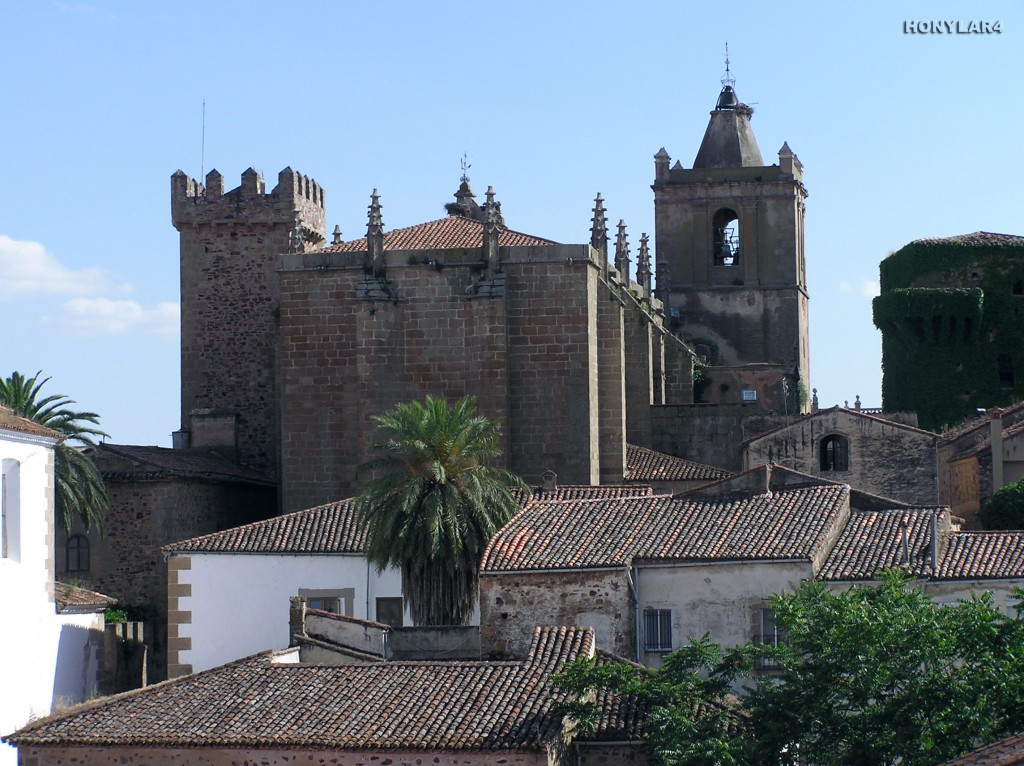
<point x="723" y="599"/>
<point x="29" y="630"/>
<point x="78" y="658"/>
<point x="239" y="602"/>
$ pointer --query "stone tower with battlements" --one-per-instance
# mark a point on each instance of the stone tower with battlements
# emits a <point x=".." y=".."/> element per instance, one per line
<point x="729" y="236"/>
<point x="231" y="243"/>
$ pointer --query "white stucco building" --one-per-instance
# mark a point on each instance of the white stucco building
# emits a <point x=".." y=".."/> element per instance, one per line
<point x="228" y="592"/>
<point x="30" y="630"/>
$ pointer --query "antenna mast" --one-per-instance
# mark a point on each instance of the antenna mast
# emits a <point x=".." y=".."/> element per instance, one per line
<point x="727" y="78"/>
<point x="202" y="149"/>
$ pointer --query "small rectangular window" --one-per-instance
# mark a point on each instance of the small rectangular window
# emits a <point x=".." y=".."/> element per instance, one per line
<point x="658" y="630"/>
<point x="77" y="554"/>
<point x="334" y="600"/>
<point x="770" y="634"/>
<point x="390" y="611"/>
<point x="324" y="604"/>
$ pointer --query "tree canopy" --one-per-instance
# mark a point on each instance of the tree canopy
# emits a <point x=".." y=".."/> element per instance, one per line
<point x="869" y="675"/>
<point x="434" y="503"/>
<point x="79" y="489"/>
<point x="1005" y="509"/>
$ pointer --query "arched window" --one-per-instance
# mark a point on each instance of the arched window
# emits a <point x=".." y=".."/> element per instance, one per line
<point x="77" y="559"/>
<point x="726" y="244"/>
<point x="835" y="453"/>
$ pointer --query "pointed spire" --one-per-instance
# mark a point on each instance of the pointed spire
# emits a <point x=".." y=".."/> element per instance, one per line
<point x="336" y="235"/>
<point x="622" y="252"/>
<point x="643" y="266"/>
<point x="375" y="237"/>
<point x="492" y="229"/>
<point x="599" y="230"/>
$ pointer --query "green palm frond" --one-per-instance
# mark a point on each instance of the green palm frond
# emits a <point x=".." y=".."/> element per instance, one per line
<point x="434" y="503"/>
<point x="79" y="489"/>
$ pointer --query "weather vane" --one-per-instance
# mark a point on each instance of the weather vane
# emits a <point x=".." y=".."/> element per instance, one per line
<point x="727" y="78"/>
<point x="465" y="166"/>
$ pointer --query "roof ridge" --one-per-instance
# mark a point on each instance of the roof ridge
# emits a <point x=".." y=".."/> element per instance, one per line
<point x="171" y="547"/>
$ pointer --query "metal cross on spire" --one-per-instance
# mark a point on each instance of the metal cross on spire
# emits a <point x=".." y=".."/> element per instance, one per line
<point x="464" y="163"/>
<point x="727" y="78"/>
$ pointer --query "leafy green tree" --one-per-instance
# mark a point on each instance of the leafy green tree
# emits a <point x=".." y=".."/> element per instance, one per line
<point x="434" y="503"/>
<point x="79" y="489"/>
<point x="692" y="718"/>
<point x="874" y="675"/>
<point x="885" y="675"/>
<point x="1005" y="509"/>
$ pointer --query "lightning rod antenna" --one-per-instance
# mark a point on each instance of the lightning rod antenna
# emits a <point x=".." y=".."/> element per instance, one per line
<point x="727" y="78"/>
<point x="202" y="145"/>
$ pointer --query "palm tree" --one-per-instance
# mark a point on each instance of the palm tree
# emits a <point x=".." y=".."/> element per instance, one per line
<point x="79" y="490"/>
<point x="434" y="503"/>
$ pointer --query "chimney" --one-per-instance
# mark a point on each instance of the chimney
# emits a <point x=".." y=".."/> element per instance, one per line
<point x="995" y="423"/>
<point x="549" y="480"/>
<point x="296" y="618"/>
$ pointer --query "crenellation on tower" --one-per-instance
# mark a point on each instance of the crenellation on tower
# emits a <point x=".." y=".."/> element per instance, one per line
<point x="231" y="245"/>
<point x="214" y="184"/>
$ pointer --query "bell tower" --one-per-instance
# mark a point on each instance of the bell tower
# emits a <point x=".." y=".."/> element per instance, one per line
<point x="730" y="269"/>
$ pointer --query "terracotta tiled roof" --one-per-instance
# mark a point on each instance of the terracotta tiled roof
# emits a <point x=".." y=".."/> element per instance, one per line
<point x="1011" y="415"/>
<point x="622" y="718"/>
<point x="162" y="462"/>
<point x="330" y="528"/>
<point x="335" y="528"/>
<point x="11" y="422"/>
<point x="647" y="465"/>
<point x="451" y="232"/>
<point x="1005" y="752"/>
<point x="872" y="541"/>
<point x="975" y="238"/>
<point x="611" y="533"/>
<point x="983" y="555"/>
<point x="254" y="703"/>
<point x="72" y="598"/>
<point x="590" y="492"/>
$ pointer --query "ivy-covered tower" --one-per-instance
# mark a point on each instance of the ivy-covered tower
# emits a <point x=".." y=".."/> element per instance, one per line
<point x="951" y="312"/>
<point x="729" y="234"/>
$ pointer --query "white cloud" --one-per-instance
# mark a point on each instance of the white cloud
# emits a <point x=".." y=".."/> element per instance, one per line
<point x="868" y="288"/>
<point x="28" y="268"/>
<point x="103" y="316"/>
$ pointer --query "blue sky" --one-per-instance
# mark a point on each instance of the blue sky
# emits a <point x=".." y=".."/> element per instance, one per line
<point x="901" y="135"/>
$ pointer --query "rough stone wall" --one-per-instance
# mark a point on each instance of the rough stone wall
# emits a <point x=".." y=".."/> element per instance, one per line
<point x="884" y="458"/>
<point x="750" y="310"/>
<point x="528" y="353"/>
<point x="229" y="302"/>
<point x="126" y="563"/>
<point x="709" y="434"/>
<point x="678" y="371"/>
<point x="755" y="310"/>
<point x="961" y="490"/>
<point x="553" y="364"/>
<point x="208" y="756"/>
<point x="611" y="385"/>
<point x="344" y="360"/>
<point x="639" y="334"/>
<point x="512" y="604"/>
<point x="600" y="754"/>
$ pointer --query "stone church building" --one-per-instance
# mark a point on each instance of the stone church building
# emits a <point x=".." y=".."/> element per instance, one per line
<point x="289" y="346"/>
<point x="290" y="343"/>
